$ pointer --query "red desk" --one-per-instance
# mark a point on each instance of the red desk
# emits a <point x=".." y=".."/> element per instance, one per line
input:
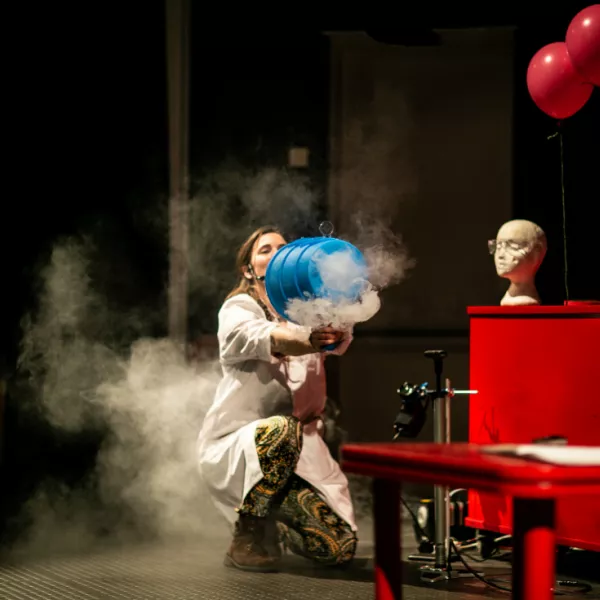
<point x="534" y="486"/>
<point x="536" y="370"/>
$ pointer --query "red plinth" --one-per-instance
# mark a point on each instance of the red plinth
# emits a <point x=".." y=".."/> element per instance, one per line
<point x="537" y="371"/>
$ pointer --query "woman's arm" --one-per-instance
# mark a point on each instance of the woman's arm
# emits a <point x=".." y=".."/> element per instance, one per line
<point x="244" y="331"/>
<point x="290" y="342"/>
<point x="245" y="334"/>
<point x="296" y="343"/>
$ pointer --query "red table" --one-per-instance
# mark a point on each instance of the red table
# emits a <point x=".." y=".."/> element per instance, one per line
<point x="533" y="486"/>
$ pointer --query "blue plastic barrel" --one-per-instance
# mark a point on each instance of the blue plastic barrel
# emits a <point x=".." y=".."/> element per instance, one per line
<point x="298" y="270"/>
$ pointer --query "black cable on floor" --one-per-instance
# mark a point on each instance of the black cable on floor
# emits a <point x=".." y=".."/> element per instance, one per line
<point x="584" y="587"/>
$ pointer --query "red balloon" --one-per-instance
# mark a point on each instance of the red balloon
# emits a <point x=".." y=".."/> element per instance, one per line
<point x="583" y="43"/>
<point x="554" y="84"/>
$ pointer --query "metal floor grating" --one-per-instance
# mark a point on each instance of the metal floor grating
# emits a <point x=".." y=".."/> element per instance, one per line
<point x="194" y="571"/>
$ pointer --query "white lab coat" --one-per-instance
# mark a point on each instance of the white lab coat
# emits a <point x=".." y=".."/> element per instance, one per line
<point x="255" y="386"/>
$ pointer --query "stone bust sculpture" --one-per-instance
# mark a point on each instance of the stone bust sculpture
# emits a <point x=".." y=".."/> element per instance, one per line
<point x="519" y="249"/>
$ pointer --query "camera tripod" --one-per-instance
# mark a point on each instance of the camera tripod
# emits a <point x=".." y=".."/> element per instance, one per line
<point x="408" y="424"/>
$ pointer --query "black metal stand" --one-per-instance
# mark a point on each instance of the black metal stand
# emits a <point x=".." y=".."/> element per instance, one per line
<point x="439" y="567"/>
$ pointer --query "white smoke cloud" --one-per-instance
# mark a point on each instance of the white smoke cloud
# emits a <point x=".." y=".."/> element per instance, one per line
<point x="340" y="271"/>
<point x="350" y="298"/>
<point x="92" y="366"/>
<point x="388" y="259"/>
<point x="92" y="369"/>
<point x="226" y="206"/>
<point x="148" y="403"/>
<point x="343" y="314"/>
<point x="352" y="292"/>
<point x="154" y="414"/>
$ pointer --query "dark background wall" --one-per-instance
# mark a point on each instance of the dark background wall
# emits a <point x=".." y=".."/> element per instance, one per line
<point x="89" y="133"/>
<point x="88" y="149"/>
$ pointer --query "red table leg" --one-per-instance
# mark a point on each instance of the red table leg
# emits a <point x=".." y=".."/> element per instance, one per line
<point x="387" y="529"/>
<point x="534" y="553"/>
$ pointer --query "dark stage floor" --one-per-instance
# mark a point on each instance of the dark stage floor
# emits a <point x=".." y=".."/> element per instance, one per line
<point x="193" y="570"/>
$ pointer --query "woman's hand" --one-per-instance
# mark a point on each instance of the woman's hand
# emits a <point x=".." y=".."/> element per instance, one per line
<point x="290" y="342"/>
<point x="325" y="336"/>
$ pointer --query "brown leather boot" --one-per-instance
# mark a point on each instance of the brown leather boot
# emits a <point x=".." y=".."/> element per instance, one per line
<point x="272" y="538"/>
<point x="247" y="550"/>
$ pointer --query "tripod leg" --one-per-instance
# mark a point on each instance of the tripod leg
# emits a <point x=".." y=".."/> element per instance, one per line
<point x="442" y="530"/>
<point x="441" y="493"/>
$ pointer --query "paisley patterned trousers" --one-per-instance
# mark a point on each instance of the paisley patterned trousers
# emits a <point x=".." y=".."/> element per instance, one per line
<point x="306" y="523"/>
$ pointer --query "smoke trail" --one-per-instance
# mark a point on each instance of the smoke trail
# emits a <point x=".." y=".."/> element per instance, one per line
<point x="95" y="368"/>
<point x="226" y="206"/>
<point x="145" y="403"/>
<point x="388" y="259"/>
<point x="353" y="294"/>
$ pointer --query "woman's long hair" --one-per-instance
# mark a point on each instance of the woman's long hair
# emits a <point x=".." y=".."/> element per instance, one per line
<point x="244" y="255"/>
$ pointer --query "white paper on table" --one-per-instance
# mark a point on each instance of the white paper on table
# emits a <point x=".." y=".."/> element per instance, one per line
<point x="575" y="456"/>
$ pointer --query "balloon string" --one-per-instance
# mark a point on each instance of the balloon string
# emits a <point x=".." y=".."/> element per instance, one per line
<point x="564" y="212"/>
